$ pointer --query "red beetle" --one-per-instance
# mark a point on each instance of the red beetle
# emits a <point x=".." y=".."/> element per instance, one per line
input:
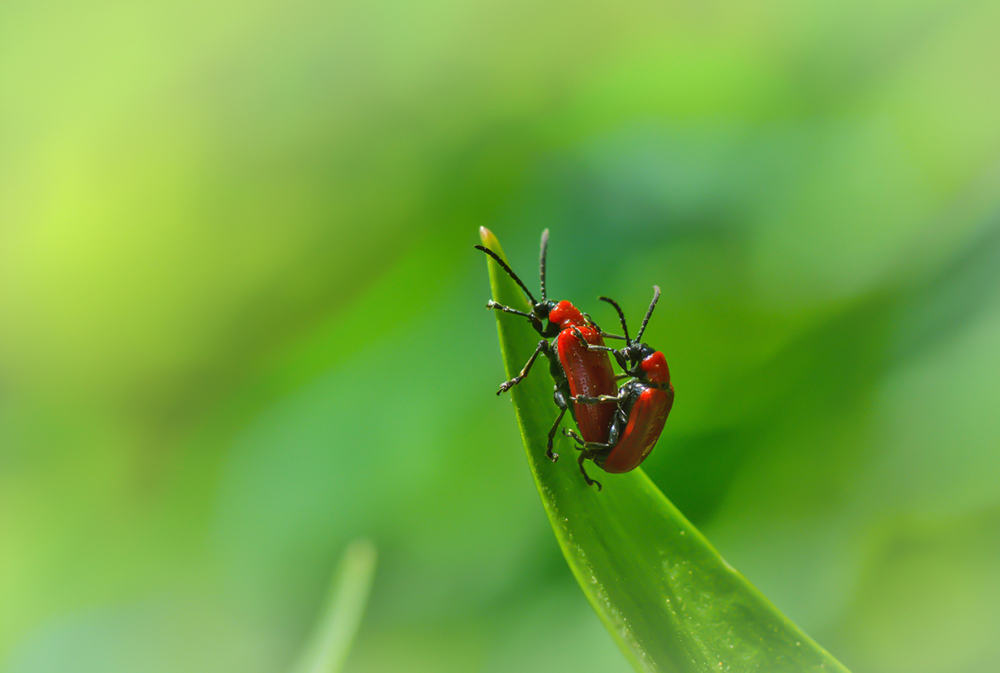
<point x="643" y="403"/>
<point x="578" y="358"/>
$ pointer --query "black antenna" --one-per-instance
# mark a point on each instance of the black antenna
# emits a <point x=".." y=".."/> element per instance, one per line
<point x="652" y="305"/>
<point x="621" y="315"/>
<point x="503" y="265"/>
<point x="541" y="263"/>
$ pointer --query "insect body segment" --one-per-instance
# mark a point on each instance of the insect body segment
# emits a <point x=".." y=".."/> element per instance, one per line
<point x="578" y="359"/>
<point x="646" y="409"/>
<point x="643" y="403"/>
<point x="588" y="371"/>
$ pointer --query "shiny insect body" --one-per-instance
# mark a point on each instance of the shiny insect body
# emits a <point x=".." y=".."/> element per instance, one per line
<point x="578" y="359"/>
<point x="643" y="403"/>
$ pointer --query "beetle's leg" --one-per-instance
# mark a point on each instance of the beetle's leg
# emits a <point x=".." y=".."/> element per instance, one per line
<point x="606" y="335"/>
<point x="506" y="309"/>
<point x="552" y="434"/>
<point x="559" y="396"/>
<point x="543" y="346"/>
<point x="586" y="344"/>
<point x="533" y="319"/>
<point x="591" y="323"/>
<point x="590" y="482"/>
<point x="583" y="399"/>
<point x="587" y="447"/>
<point x="587" y="450"/>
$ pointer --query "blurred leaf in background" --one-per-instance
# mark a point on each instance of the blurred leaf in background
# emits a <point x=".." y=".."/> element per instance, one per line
<point x="241" y="321"/>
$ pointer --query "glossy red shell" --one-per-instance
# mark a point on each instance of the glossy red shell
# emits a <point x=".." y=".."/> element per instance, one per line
<point x="566" y="315"/>
<point x="590" y="374"/>
<point x="656" y="368"/>
<point x="645" y="423"/>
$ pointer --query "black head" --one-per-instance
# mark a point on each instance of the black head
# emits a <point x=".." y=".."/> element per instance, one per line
<point x="634" y="351"/>
<point x="539" y="309"/>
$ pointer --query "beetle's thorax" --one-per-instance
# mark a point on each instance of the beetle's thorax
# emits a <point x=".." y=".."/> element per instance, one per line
<point x="655" y="369"/>
<point x="566" y="315"/>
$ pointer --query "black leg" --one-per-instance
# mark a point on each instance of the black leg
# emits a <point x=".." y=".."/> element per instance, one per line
<point x="589" y="346"/>
<point x="606" y="335"/>
<point x="506" y="309"/>
<point x="590" y="482"/>
<point x="543" y="345"/>
<point x="589" y="446"/>
<point x="552" y="434"/>
<point x="535" y="322"/>
<point x="600" y="399"/>
<point x="587" y="451"/>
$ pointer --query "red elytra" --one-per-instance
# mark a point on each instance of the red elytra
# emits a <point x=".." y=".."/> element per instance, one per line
<point x="646" y="418"/>
<point x="576" y="370"/>
<point x="643" y="404"/>
<point x="589" y="374"/>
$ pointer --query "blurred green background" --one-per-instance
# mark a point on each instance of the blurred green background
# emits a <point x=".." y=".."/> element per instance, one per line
<point x="242" y="323"/>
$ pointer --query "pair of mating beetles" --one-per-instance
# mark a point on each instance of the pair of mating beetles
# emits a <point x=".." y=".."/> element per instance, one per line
<point x="618" y="427"/>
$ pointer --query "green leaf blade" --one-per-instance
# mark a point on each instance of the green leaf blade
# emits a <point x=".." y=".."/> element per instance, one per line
<point x="345" y="606"/>
<point x="663" y="592"/>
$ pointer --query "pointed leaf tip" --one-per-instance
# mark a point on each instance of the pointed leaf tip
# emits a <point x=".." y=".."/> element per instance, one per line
<point x="665" y="595"/>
